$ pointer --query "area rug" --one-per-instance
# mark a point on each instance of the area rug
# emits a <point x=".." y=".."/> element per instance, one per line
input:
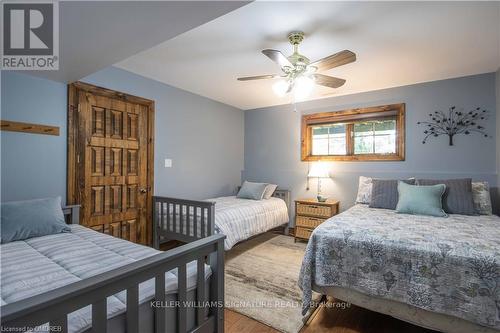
<point x="261" y="281"/>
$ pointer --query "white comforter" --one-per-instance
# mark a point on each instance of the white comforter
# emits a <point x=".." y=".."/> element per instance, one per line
<point x="240" y="219"/>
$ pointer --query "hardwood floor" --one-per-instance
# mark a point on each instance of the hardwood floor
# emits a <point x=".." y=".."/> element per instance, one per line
<point x="331" y="320"/>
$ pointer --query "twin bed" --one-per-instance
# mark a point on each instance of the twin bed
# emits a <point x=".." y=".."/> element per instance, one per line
<point x="86" y="281"/>
<point x="440" y="273"/>
<point x="238" y="219"/>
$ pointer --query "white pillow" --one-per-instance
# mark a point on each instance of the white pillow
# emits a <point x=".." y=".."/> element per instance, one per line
<point x="270" y="188"/>
<point x="481" y="198"/>
<point x="364" y="190"/>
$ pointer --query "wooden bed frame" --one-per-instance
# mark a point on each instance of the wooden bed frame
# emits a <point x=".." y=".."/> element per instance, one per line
<point x="201" y="213"/>
<point x="53" y="306"/>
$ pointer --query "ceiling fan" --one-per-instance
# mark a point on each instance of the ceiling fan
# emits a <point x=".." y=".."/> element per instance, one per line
<point x="299" y="74"/>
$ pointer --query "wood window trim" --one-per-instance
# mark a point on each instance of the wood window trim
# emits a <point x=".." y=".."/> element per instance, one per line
<point x="72" y="124"/>
<point x="310" y="120"/>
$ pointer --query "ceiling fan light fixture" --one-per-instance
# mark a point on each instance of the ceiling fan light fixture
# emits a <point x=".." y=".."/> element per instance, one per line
<point x="303" y="87"/>
<point x="280" y="87"/>
<point x="299" y="75"/>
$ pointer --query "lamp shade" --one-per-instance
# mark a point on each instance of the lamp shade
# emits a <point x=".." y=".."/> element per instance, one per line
<point x="318" y="170"/>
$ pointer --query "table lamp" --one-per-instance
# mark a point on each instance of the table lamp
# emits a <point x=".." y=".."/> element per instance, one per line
<point x="319" y="170"/>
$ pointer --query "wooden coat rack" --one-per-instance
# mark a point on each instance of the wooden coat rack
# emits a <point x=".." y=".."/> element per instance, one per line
<point x="14" y="126"/>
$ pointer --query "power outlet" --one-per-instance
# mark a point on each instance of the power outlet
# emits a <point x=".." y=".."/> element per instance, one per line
<point x="168" y="163"/>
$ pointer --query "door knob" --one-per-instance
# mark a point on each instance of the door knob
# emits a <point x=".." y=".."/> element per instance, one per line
<point x="143" y="190"/>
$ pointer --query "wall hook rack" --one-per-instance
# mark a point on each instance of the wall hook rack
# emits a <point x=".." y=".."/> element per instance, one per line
<point x="14" y="126"/>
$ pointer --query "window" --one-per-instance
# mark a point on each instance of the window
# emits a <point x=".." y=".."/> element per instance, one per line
<point x="369" y="134"/>
<point x="329" y="140"/>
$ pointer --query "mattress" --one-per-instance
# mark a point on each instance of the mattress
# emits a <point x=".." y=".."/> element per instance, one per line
<point x="238" y="219"/>
<point x="41" y="264"/>
<point x="444" y="265"/>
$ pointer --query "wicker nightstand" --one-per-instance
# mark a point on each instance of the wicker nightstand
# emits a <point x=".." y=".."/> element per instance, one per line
<point x="309" y="213"/>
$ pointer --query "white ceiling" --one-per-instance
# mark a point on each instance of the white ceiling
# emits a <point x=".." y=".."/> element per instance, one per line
<point x="97" y="34"/>
<point x="397" y="43"/>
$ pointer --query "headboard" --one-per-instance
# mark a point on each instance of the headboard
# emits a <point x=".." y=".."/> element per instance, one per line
<point x="72" y="214"/>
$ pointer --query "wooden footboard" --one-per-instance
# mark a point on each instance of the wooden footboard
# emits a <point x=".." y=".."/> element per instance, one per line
<point x="182" y="220"/>
<point x="54" y="306"/>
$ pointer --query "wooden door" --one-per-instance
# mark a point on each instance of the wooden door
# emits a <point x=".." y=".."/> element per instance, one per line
<point x="110" y="161"/>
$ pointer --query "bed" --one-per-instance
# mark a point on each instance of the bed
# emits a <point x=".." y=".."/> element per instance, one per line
<point x="440" y="273"/>
<point x="238" y="219"/>
<point x="83" y="280"/>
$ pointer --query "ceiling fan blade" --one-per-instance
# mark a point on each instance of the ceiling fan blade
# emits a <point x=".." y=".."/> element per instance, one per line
<point x="277" y="57"/>
<point x="328" y="81"/>
<point x="335" y="60"/>
<point x="258" y="77"/>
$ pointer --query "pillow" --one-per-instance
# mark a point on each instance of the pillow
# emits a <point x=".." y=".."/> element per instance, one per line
<point x="385" y="192"/>
<point x="251" y="190"/>
<point x="364" y="190"/>
<point x="31" y="218"/>
<point x="458" y="196"/>
<point x="481" y="198"/>
<point x="421" y="200"/>
<point x="270" y="188"/>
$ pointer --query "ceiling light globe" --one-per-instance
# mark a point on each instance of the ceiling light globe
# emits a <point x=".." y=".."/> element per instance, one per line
<point x="303" y="87"/>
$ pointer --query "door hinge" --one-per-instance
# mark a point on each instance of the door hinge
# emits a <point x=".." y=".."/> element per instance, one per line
<point x="79" y="108"/>
<point x="78" y="158"/>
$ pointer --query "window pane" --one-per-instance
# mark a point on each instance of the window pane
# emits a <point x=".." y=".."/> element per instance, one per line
<point x="337" y="129"/>
<point x="337" y="146"/>
<point x="386" y="125"/>
<point x="329" y="140"/>
<point x="320" y="146"/>
<point x="320" y="131"/>
<point x="385" y="137"/>
<point x="363" y="138"/>
<point x="363" y="144"/>
<point x="375" y="137"/>
<point x="363" y="128"/>
<point x="385" y="144"/>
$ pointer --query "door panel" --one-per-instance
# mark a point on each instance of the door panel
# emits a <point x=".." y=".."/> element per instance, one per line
<point x="113" y="180"/>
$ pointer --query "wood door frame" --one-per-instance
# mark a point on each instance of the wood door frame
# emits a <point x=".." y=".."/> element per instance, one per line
<point x="72" y="163"/>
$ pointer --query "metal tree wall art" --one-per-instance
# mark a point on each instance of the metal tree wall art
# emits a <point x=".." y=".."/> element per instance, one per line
<point x="453" y="123"/>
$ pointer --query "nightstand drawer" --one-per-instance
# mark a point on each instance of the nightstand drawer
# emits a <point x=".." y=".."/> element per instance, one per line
<point x="315" y="210"/>
<point x="308" y="222"/>
<point x="303" y="232"/>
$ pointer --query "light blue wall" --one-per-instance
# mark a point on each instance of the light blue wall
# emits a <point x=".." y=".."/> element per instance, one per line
<point x="204" y="138"/>
<point x="272" y="139"/>
<point x="33" y="166"/>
